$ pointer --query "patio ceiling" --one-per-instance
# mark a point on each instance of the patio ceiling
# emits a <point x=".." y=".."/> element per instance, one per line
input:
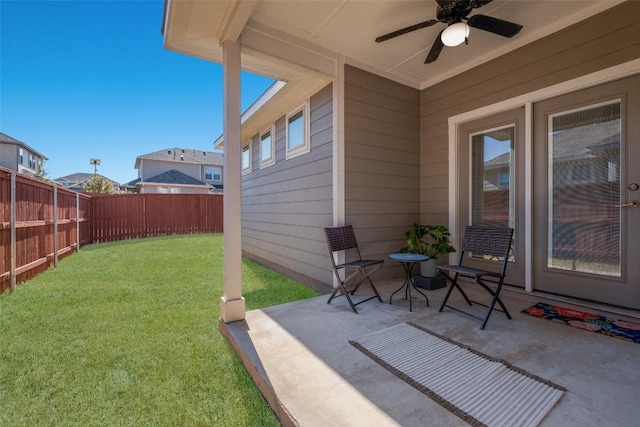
<point x="303" y="43"/>
<point x="317" y="30"/>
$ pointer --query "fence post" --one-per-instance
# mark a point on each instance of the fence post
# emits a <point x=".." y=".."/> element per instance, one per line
<point x="12" y="273"/>
<point x="55" y="226"/>
<point x="77" y="222"/>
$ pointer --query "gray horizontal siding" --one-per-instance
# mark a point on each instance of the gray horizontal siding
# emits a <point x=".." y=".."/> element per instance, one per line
<point x="285" y="206"/>
<point x="382" y="166"/>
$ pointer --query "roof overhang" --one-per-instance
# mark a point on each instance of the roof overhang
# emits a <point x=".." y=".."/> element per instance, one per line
<point x="198" y="28"/>
<point x="303" y="43"/>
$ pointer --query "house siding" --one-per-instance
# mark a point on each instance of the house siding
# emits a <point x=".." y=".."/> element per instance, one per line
<point x="151" y="168"/>
<point x="602" y="41"/>
<point x="382" y="166"/>
<point x="285" y="206"/>
<point x="152" y="188"/>
<point x="9" y="156"/>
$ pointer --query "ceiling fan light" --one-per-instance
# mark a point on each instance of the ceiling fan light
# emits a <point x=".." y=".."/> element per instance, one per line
<point x="455" y="34"/>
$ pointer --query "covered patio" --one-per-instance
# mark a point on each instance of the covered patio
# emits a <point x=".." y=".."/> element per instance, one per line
<point x="365" y="134"/>
<point x="300" y="357"/>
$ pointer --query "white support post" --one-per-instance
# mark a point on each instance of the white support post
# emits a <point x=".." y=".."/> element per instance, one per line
<point x="232" y="304"/>
<point x="338" y="155"/>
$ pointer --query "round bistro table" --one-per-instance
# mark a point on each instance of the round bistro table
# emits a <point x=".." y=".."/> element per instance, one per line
<point x="408" y="261"/>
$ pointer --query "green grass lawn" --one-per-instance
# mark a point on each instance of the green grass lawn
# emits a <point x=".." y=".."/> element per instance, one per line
<point x="125" y="334"/>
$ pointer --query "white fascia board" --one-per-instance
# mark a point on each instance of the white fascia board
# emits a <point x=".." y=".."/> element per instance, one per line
<point x="253" y="109"/>
<point x="235" y="19"/>
<point x="276" y="45"/>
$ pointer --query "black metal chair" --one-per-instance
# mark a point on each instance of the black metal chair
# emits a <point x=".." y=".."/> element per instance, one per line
<point x="481" y="241"/>
<point x="343" y="239"/>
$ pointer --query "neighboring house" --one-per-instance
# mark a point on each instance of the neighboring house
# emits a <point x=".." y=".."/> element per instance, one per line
<point x="356" y="132"/>
<point x="178" y="170"/>
<point x="75" y="181"/>
<point x="18" y="156"/>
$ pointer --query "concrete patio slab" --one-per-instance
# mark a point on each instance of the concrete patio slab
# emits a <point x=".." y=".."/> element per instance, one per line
<point x="300" y="357"/>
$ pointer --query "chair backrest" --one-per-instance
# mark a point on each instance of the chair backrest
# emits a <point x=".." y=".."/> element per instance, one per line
<point x="484" y="240"/>
<point x="340" y="238"/>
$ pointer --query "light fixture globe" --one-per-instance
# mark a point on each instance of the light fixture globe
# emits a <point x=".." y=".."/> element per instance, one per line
<point x="455" y="34"/>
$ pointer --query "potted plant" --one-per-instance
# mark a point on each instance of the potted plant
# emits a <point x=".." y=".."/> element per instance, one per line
<point x="430" y="240"/>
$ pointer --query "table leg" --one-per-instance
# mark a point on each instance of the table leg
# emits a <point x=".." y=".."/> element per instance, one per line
<point x="408" y="283"/>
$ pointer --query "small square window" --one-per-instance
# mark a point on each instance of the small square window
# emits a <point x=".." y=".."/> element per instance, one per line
<point x="208" y="174"/>
<point x="246" y="158"/>
<point x="297" y="127"/>
<point x="267" y="147"/>
<point x="217" y="174"/>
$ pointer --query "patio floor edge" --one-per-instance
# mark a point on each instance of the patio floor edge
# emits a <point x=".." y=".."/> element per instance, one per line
<point x="257" y="374"/>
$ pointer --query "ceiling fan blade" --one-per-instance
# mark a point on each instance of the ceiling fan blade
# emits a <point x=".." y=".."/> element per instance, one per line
<point x="406" y="30"/>
<point x="494" y="25"/>
<point x="436" y="48"/>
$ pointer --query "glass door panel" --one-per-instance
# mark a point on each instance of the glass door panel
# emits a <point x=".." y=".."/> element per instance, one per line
<point x="493" y="178"/>
<point x="586" y="222"/>
<point x="490" y="185"/>
<point x="584" y="176"/>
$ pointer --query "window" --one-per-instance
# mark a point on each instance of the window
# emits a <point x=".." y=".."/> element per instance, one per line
<point x="166" y="190"/>
<point x="297" y="127"/>
<point x="21" y="156"/>
<point x="246" y="158"/>
<point x="217" y="174"/>
<point x="212" y="174"/>
<point x="267" y="147"/>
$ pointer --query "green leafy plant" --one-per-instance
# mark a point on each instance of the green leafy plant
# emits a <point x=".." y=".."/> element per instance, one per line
<point x="98" y="184"/>
<point x="430" y="240"/>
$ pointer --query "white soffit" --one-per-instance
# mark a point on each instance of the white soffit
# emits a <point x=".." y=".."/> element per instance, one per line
<point x="349" y="28"/>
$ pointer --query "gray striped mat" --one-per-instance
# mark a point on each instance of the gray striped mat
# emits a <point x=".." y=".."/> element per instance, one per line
<point x="481" y="390"/>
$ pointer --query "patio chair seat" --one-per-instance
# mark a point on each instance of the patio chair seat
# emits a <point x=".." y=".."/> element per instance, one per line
<point x="467" y="271"/>
<point x="359" y="263"/>
<point x="480" y="241"/>
<point x="343" y="239"/>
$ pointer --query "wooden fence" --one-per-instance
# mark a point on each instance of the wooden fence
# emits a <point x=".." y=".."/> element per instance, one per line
<point x="132" y="216"/>
<point x="41" y="223"/>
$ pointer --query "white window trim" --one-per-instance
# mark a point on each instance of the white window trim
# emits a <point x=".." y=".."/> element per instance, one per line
<point x="219" y="174"/>
<point x="306" y="147"/>
<point x="205" y="173"/>
<point x="527" y="100"/>
<point x="271" y="160"/>
<point x="248" y="168"/>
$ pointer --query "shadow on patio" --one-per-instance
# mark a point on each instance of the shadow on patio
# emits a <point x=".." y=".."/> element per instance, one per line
<point x="300" y="357"/>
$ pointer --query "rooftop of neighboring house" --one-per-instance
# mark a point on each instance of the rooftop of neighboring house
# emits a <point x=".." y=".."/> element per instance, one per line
<point x="186" y="155"/>
<point x="6" y="139"/>
<point x="75" y="180"/>
<point x="174" y="177"/>
<point x="577" y="143"/>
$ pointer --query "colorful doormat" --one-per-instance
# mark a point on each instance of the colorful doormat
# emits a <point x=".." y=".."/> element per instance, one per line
<point x="481" y="390"/>
<point x="621" y="329"/>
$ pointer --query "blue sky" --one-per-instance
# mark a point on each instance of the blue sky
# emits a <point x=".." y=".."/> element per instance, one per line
<point x="91" y="79"/>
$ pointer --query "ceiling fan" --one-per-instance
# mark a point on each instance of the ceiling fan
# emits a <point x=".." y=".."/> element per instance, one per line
<point x="453" y="13"/>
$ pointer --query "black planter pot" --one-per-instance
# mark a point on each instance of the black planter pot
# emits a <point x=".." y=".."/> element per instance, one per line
<point x="430" y="283"/>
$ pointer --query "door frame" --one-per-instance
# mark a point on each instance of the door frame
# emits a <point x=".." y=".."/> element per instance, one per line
<point x="526" y="100"/>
